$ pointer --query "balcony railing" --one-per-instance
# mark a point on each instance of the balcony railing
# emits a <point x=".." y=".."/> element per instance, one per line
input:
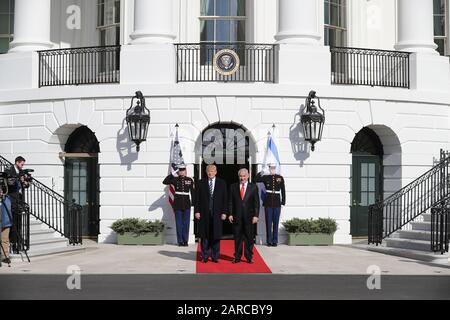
<point x="90" y="65"/>
<point x="196" y="62"/>
<point x="354" y="66"/>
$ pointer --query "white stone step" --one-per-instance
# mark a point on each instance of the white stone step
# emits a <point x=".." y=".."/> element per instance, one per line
<point x="422" y="225"/>
<point x="36" y="235"/>
<point x="426" y="217"/>
<point x="46" y="252"/>
<point x="413" y="254"/>
<point x="51" y="243"/>
<point x="419" y="245"/>
<point x="413" y="235"/>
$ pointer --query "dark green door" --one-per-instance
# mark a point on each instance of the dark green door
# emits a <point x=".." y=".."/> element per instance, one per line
<point x="366" y="190"/>
<point x="81" y="184"/>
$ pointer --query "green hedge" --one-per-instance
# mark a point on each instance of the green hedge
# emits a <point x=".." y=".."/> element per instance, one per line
<point x="321" y="225"/>
<point x="137" y="226"/>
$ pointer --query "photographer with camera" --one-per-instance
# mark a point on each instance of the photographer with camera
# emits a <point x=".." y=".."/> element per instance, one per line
<point x="5" y="227"/>
<point x="18" y="181"/>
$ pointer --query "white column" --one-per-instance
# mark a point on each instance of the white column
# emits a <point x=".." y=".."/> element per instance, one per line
<point x="153" y="22"/>
<point x="298" y="22"/>
<point x="302" y="58"/>
<point x="428" y="70"/>
<point x="415" y="26"/>
<point x="31" y="26"/>
<point x="151" y="56"/>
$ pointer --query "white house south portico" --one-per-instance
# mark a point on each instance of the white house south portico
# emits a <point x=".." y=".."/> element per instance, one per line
<point x="387" y="103"/>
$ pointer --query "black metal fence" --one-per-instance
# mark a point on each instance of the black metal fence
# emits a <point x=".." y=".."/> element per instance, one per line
<point x="440" y="227"/>
<point x="195" y="62"/>
<point x="51" y="208"/>
<point x="355" y="66"/>
<point x="89" y="65"/>
<point x="427" y="191"/>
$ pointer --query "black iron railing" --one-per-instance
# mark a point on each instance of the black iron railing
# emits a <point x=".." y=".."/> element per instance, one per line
<point x="440" y="226"/>
<point x="195" y="62"/>
<point x="89" y="65"/>
<point x="355" y="66"/>
<point x="392" y="214"/>
<point x="51" y="208"/>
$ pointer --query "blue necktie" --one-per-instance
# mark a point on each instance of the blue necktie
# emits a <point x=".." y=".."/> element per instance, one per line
<point x="210" y="194"/>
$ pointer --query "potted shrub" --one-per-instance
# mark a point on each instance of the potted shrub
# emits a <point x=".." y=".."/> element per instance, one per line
<point x="134" y="231"/>
<point x="309" y="232"/>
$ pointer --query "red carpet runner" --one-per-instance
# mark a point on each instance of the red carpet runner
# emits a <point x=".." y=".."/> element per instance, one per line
<point x="225" y="265"/>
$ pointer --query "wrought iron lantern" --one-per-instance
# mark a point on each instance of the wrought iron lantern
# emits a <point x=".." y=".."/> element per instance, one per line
<point x="138" y="120"/>
<point x="313" y="120"/>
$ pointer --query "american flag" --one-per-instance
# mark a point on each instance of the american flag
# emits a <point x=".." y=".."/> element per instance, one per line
<point x="176" y="159"/>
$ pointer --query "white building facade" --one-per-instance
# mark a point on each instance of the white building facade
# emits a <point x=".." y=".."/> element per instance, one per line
<point x="387" y="107"/>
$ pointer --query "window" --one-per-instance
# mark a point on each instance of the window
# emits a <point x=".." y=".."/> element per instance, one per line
<point x="335" y="23"/>
<point x="108" y="22"/>
<point x="6" y="24"/>
<point x="440" y="25"/>
<point x="222" y="21"/>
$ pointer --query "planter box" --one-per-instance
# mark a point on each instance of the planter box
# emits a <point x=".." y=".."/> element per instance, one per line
<point x="145" y="239"/>
<point x="307" y="239"/>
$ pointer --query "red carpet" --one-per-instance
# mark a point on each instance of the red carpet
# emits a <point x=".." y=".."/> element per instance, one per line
<point x="225" y="265"/>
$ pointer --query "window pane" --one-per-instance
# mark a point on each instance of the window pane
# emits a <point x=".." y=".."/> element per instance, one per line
<point x="117" y="11"/>
<point x="4" y="6"/>
<point x="4" y="24"/>
<point x="223" y="8"/>
<point x="334" y="15"/>
<point x="4" y="45"/>
<point x="237" y="8"/>
<point x="439" y="6"/>
<point x="237" y="31"/>
<point x="364" y="171"/>
<point x="327" y="13"/>
<point x="364" y="184"/>
<point x="371" y="199"/>
<point x="372" y="184"/>
<point x="439" y="25"/>
<point x="372" y="169"/>
<point x="207" y="30"/>
<point x="207" y="8"/>
<point x="223" y="30"/>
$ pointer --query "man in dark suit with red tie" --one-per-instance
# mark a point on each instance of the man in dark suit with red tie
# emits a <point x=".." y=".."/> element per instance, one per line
<point x="244" y="212"/>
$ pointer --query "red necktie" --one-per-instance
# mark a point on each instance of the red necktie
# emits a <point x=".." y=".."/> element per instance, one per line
<point x="242" y="191"/>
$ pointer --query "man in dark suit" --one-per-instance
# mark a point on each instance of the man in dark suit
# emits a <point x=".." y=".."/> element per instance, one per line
<point x="210" y="211"/>
<point x="244" y="213"/>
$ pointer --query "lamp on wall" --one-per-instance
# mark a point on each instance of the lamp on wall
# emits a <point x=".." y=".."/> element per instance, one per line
<point x="312" y="120"/>
<point x="138" y="120"/>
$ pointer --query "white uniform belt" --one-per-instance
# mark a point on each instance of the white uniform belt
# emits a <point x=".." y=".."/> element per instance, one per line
<point x="182" y="193"/>
<point x="271" y="191"/>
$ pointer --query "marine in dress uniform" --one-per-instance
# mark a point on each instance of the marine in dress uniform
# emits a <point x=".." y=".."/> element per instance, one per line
<point x="275" y="198"/>
<point x="184" y="187"/>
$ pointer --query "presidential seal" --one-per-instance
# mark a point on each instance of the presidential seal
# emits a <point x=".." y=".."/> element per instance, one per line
<point x="226" y="62"/>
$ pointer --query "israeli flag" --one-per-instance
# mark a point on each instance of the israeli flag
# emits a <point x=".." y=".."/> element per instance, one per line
<point x="271" y="157"/>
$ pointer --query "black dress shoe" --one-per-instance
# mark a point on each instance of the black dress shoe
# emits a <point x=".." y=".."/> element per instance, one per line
<point x="269" y="244"/>
<point x="205" y="260"/>
<point x="236" y="261"/>
<point x="215" y="261"/>
<point x="274" y="245"/>
<point x="185" y="244"/>
<point x="250" y="261"/>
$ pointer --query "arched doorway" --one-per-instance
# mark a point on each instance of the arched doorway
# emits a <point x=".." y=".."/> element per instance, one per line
<point x="81" y="177"/>
<point x="230" y="147"/>
<point x="367" y="179"/>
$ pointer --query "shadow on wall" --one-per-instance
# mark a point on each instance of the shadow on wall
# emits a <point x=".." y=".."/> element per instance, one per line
<point x="124" y="147"/>
<point x="298" y="144"/>
<point x="162" y="203"/>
